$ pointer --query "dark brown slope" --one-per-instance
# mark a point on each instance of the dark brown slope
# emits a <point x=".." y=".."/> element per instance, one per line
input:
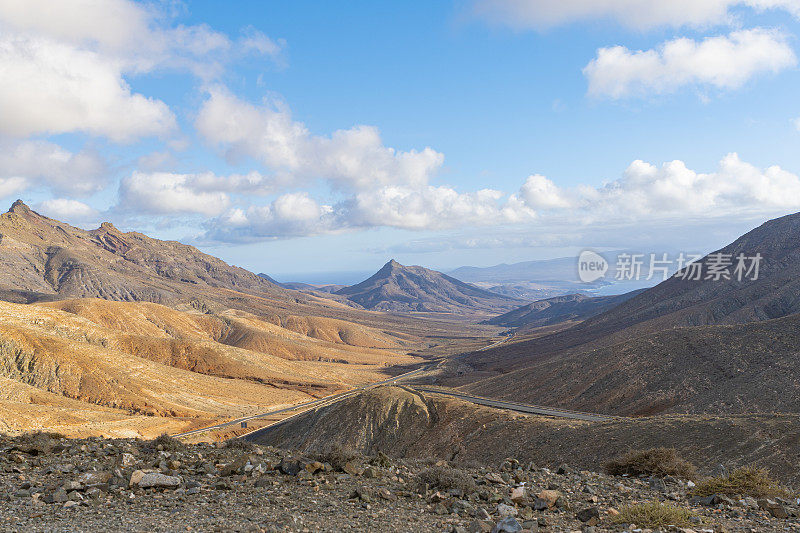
<point x="42" y="258"/>
<point x="570" y="307"/>
<point x="726" y="369"/>
<point x="733" y="349"/>
<point x="403" y="423"/>
<point x="677" y="302"/>
<point x="398" y="288"/>
<point x="774" y="294"/>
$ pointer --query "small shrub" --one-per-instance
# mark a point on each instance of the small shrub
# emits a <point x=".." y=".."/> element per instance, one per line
<point x="240" y="445"/>
<point x="337" y="456"/>
<point x="654" y="515"/>
<point x="37" y="442"/>
<point x="653" y="462"/>
<point x="746" y="481"/>
<point x="381" y="459"/>
<point x="167" y="443"/>
<point x="445" y="478"/>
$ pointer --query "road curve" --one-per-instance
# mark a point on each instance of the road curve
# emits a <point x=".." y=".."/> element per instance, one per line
<point x="520" y="407"/>
<point x="322" y="401"/>
<point x="328" y="400"/>
<point x="307" y="405"/>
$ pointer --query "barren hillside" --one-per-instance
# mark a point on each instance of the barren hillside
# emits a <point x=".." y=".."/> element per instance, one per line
<point x="400" y="288"/>
<point x="149" y="360"/>
<point x="404" y="423"/>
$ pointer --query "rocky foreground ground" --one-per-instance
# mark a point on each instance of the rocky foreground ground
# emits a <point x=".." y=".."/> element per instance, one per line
<point x="54" y="484"/>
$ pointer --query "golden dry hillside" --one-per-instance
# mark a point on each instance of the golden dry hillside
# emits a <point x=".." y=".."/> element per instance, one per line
<point x="92" y="366"/>
<point x="107" y="332"/>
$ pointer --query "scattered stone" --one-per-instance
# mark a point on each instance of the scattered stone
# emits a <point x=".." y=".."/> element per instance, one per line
<point x="58" y="496"/>
<point x="658" y="484"/>
<point x="223" y="484"/>
<point x="590" y="516"/>
<point x="494" y="478"/>
<point x="563" y="470"/>
<point x="774" y="508"/>
<point x="548" y="498"/>
<point x="312" y="467"/>
<point x="352" y="469"/>
<point x="507" y="525"/>
<point x="480" y="526"/>
<point x="506" y="510"/>
<point x="235" y="467"/>
<point x="386" y="494"/>
<point x="289" y="467"/>
<point x="159" y="481"/>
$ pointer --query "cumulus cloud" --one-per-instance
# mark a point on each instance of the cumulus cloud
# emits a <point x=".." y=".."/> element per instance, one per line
<point x="163" y="193"/>
<point x="539" y="192"/>
<point x="644" y="194"/>
<point x="167" y="193"/>
<point x="424" y="208"/>
<point x="353" y="159"/>
<point x="289" y="215"/>
<point x="11" y="186"/>
<point x="64" y="63"/>
<point x="646" y="191"/>
<point x="723" y="62"/>
<point x="49" y="87"/>
<point x="27" y="164"/>
<point x="67" y="210"/>
<point x="637" y="14"/>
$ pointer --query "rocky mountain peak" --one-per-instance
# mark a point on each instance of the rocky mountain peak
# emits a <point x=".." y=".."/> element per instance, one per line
<point x="19" y="207"/>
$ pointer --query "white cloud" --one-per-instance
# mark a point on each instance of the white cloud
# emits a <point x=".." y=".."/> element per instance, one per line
<point x="353" y="159"/>
<point x="160" y="160"/>
<point x="166" y="193"/>
<point x="425" y="208"/>
<point x="647" y="192"/>
<point x="67" y="210"/>
<point x="49" y="87"/>
<point x="540" y="193"/>
<point x="13" y="185"/>
<point x="41" y="163"/>
<point x="644" y="195"/>
<point x="63" y="65"/>
<point x="162" y="193"/>
<point x="112" y="24"/>
<point x="724" y="62"/>
<point x="289" y="215"/>
<point x="428" y="208"/>
<point x="637" y="14"/>
<point x="139" y="35"/>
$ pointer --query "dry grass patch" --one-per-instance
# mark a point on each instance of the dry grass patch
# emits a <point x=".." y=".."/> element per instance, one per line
<point x="337" y="456"/>
<point x="746" y="481"/>
<point x="167" y="443"/>
<point x="653" y="462"/>
<point x="241" y="445"/>
<point x="445" y="478"/>
<point x="655" y="515"/>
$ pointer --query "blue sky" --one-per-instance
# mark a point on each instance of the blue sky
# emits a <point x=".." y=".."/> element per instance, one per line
<point x="196" y="95"/>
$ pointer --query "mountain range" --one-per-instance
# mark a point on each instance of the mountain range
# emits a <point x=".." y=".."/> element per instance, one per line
<point x="686" y="345"/>
<point x="414" y="289"/>
<point x="45" y="259"/>
<point x="104" y="331"/>
<point x="559" y="309"/>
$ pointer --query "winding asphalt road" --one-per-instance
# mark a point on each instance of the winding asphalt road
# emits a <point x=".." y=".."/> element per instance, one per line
<point x="307" y="405"/>
<point x="519" y="407"/>
<point x="328" y="400"/>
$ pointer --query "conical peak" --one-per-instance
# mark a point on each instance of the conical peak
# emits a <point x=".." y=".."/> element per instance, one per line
<point x="19" y="207"/>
